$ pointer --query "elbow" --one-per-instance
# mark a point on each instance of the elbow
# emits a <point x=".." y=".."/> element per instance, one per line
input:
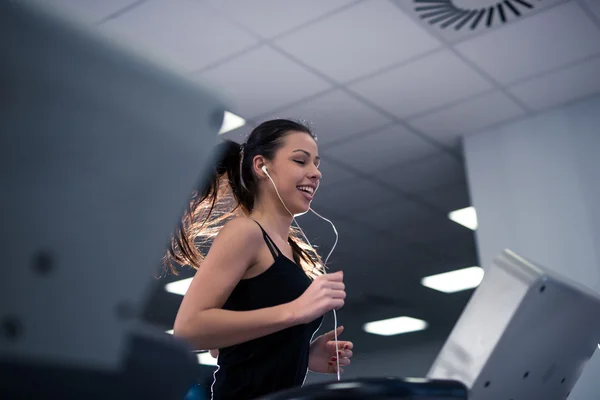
<point x="186" y="331"/>
<point x="179" y="332"/>
<point x="181" y="329"/>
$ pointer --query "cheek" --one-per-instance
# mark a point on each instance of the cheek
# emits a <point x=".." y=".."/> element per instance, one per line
<point x="290" y="184"/>
<point x="289" y="181"/>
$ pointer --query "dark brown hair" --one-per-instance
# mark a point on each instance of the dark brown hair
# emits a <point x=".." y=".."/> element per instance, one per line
<point x="224" y="197"/>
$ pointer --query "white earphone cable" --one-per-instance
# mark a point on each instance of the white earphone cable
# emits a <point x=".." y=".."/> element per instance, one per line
<point x="335" y="324"/>
<point x="337" y="350"/>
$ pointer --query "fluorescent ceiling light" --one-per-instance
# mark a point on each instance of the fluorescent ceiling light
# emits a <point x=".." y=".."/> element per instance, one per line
<point x="395" y="326"/>
<point x="231" y="122"/>
<point x="454" y="281"/>
<point x="206" y="359"/>
<point x="178" y="287"/>
<point x="465" y="216"/>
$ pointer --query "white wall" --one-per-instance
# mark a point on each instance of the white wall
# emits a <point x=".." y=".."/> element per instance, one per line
<point x="536" y="187"/>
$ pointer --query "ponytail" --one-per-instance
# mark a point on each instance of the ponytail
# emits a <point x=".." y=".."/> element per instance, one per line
<point x="229" y="192"/>
<point x="210" y="207"/>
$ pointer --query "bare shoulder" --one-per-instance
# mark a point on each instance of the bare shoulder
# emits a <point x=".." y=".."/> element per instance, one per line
<point x="242" y="228"/>
<point x="234" y="249"/>
<point x="241" y="234"/>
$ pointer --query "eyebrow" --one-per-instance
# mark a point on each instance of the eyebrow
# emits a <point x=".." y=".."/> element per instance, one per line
<point x="307" y="153"/>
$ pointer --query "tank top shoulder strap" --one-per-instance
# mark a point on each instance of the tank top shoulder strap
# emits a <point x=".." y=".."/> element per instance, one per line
<point x="270" y="244"/>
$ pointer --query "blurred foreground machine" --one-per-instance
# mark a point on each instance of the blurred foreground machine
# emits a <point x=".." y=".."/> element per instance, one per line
<point x="99" y="152"/>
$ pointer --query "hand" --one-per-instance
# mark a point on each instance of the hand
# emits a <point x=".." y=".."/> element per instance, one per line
<point x="324" y="294"/>
<point x="322" y="354"/>
<point x="214" y="353"/>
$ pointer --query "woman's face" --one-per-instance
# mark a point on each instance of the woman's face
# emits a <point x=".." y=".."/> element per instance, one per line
<point x="295" y="170"/>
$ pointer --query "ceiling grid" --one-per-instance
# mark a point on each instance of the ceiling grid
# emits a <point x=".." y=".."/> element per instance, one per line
<point x="390" y="93"/>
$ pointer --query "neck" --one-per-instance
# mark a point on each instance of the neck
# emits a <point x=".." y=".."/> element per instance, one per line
<point x="274" y="217"/>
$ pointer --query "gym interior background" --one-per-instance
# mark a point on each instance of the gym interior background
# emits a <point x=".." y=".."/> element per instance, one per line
<point x="421" y="109"/>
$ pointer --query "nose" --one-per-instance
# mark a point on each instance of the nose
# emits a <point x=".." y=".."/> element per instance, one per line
<point x="315" y="174"/>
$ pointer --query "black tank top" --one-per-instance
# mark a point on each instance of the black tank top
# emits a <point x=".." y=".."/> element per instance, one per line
<point x="274" y="362"/>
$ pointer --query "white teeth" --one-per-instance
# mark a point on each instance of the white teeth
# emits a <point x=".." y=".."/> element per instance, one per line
<point x="306" y="189"/>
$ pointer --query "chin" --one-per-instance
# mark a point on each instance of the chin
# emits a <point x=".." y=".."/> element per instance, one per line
<point x="300" y="209"/>
<point x="301" y="213"/>
<point x="298" y="206"/>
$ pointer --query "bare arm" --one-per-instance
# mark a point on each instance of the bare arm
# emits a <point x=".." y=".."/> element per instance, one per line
<point x="201" y="321"/>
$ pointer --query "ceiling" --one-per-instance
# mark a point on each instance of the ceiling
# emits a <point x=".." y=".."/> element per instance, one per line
<point x="389" y="95"/>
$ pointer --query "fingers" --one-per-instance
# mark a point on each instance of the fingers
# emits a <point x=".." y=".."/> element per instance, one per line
<point x="334" y="276"/>
<point x="336" y="294"/>
<point x="334" y="285"/>
<point x="344" y="362"/>
<point x="331" y="335"/>
<point x="341" y="345"/>
<point x="346" y="353"/>
<point x="337" y="304"/>
<point x="332" y="368"/>
<point x="343" y="353"/>
<point x="334" y="288"/>
<point x="346" y="345"/>
<point x="331" y="289"/>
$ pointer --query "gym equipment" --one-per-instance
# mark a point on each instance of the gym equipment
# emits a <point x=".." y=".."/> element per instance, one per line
<point x="377" y="389"/>
<point x="100" y="150"/>
<point x="526" y="333"/>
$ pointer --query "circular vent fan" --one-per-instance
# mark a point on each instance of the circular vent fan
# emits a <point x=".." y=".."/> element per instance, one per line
<point x="471" y="14"/>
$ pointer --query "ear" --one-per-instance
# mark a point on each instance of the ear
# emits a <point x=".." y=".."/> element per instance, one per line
<point x="257" y="165"/>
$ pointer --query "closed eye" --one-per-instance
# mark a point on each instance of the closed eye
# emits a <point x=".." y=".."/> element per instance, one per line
<point x="300" y="162"/>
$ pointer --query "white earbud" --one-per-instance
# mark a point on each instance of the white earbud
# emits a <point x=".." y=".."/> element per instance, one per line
<point x="264" y="168"/>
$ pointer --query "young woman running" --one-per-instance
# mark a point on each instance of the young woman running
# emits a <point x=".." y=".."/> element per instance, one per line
<point x="260" y="293"/>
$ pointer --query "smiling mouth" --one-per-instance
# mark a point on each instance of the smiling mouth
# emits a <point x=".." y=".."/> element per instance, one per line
<point x="307" y="191"/>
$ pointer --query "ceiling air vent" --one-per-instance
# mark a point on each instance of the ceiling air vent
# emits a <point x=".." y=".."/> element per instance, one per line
<point x="471" y="14"/>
